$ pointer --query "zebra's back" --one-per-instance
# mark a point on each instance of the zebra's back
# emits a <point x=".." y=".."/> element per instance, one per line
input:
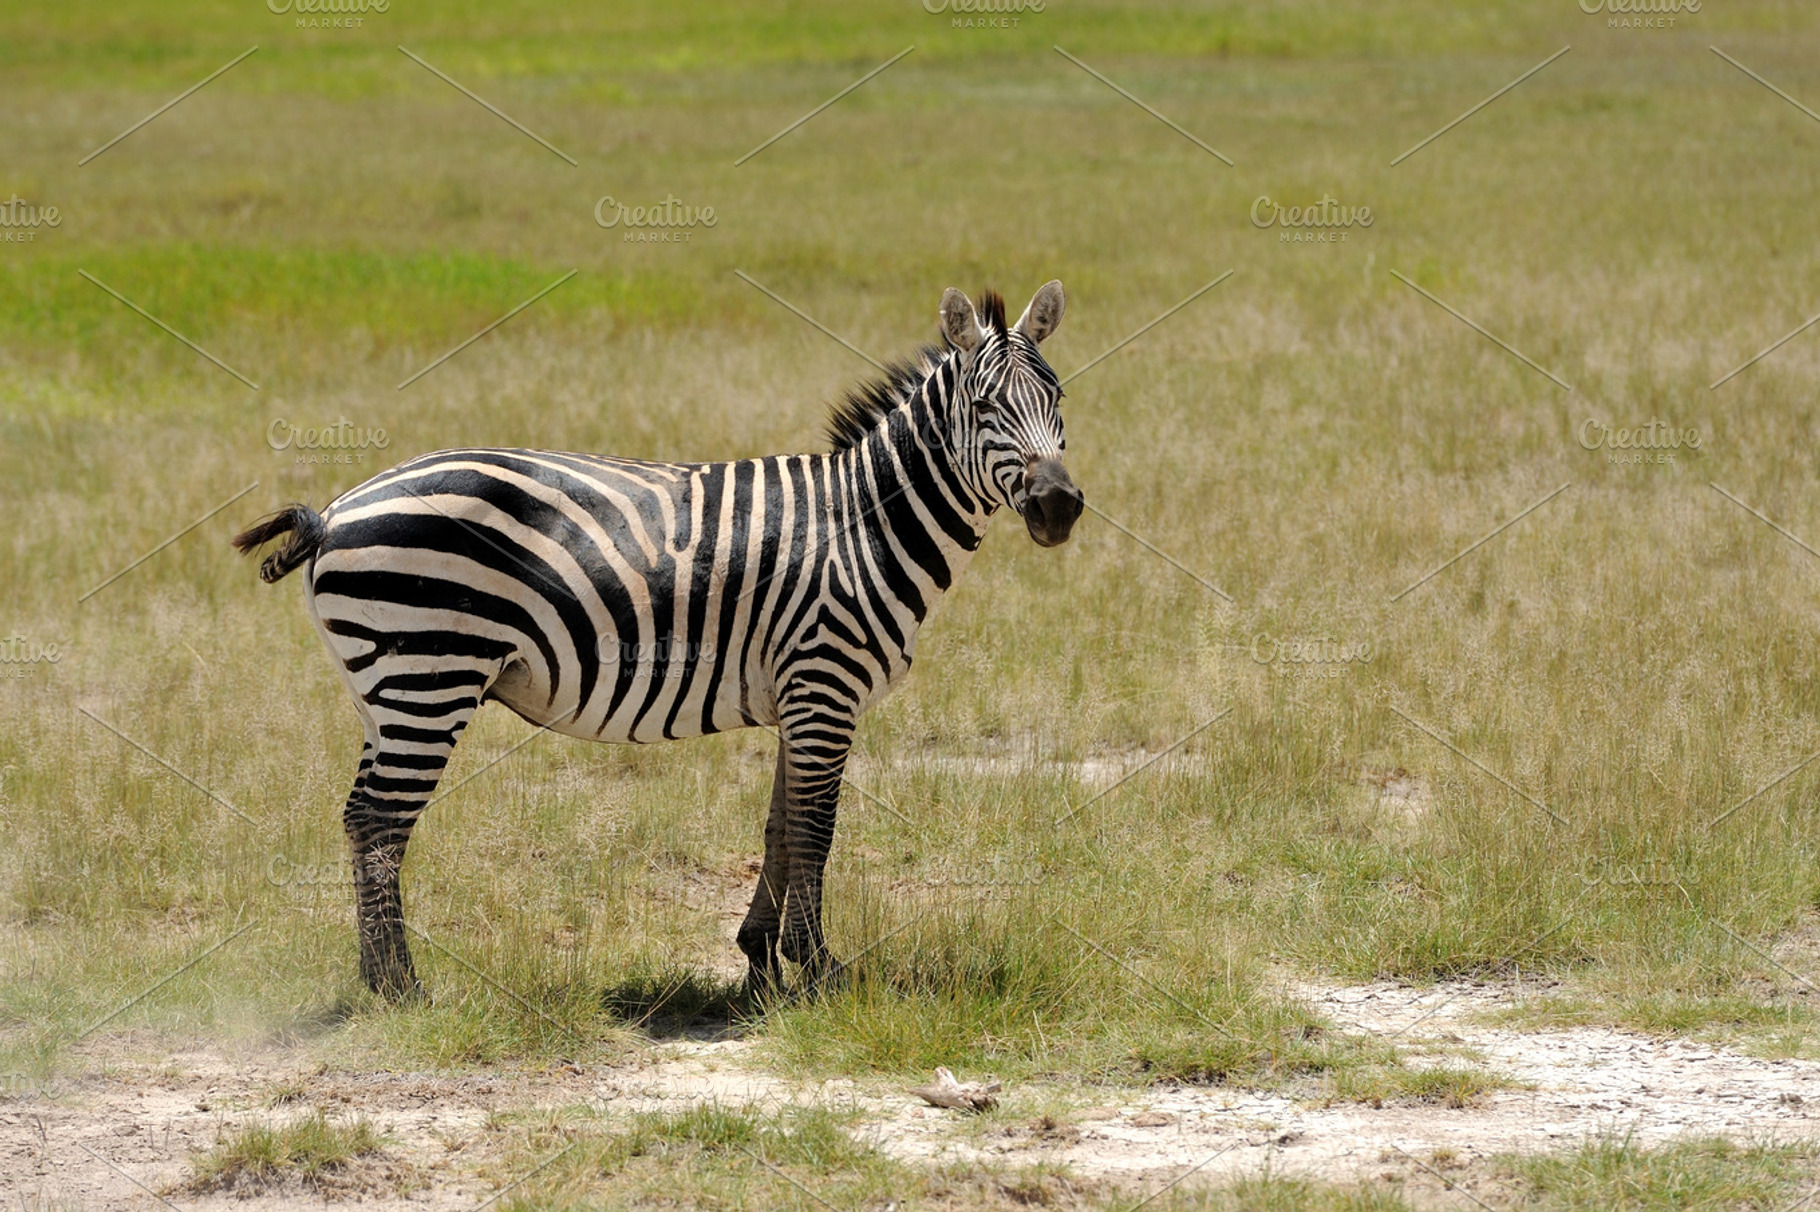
<point x="565" y="585"/>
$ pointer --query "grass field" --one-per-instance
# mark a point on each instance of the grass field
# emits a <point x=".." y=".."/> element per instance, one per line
<point x="1574" y="751"/>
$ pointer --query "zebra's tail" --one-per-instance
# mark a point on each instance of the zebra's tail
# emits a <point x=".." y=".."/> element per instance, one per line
<point x="303" y="524"/>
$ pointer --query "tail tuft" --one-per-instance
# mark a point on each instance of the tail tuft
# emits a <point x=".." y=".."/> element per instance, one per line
<point x="303" y="524"/>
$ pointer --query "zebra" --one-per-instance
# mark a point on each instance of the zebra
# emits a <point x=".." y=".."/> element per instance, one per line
<point x="630" y="601"/>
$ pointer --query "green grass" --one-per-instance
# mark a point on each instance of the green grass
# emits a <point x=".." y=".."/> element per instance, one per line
<point x="1770" y="1026"/>
<point x="1312" y="436"/>
<point x="713" y="1156"/>
<point x="314" y="1151"/>
<point x="1278" y="1194"/>
<point x="1617" y="1175"/>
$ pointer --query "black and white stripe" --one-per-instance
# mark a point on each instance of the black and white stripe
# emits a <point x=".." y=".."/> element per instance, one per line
<point x="631" y="601"/>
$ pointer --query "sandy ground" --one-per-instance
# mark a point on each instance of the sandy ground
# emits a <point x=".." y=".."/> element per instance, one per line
<point x="127" y="1130"/>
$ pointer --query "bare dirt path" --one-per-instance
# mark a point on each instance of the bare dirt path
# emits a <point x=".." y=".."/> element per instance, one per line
<point x="91" y="1142"/>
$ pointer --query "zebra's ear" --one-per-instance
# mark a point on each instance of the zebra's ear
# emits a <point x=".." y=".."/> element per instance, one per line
<point x="1044" y="313"/>
<point x="959" y="324"/>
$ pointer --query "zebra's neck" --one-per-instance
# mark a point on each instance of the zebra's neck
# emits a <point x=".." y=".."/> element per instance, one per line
<point x="902" y="478"/>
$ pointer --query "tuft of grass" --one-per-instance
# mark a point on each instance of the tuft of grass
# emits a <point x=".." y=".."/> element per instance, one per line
<point x="1776" y="1027"/>
<point x="1276" y="1193"/>
<point x="314" y="1150"/>
<point x="1454" y="1086"/>
<point x="285" y="1093"/>
<point x="711" y="1155"/>
<point x="1615" y="1174"/>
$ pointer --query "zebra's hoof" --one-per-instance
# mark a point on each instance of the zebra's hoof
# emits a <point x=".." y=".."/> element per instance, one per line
<point x="828" y="976"/>
<point x="399" y="987"/>
<point x="761" y="989"/>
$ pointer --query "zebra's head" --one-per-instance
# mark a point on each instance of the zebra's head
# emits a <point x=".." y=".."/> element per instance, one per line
<point x="1005" y="419"/>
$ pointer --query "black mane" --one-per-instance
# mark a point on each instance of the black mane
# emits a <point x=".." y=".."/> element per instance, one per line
<point x="858" y="412"/>
<point x="992" y="311"/>
<point x="863" y="407"/>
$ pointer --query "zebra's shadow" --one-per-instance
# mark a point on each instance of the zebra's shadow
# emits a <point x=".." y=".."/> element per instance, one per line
<point x="684" y="1005"/>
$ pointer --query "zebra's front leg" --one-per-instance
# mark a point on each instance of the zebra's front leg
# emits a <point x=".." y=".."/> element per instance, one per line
<point x="816" y="755"/>
<point x="758" y="933"/>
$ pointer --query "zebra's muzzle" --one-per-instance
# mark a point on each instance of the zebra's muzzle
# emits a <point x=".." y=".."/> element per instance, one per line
<point x="1051" y="502"/>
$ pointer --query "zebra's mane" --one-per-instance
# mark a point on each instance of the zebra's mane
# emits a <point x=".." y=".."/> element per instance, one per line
<point x="858" y="412"/>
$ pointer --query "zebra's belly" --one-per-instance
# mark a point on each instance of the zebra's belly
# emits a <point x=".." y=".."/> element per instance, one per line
<point x="640" y="702"/>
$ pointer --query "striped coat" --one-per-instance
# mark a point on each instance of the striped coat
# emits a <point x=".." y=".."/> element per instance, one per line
<point x="622" y="600"/>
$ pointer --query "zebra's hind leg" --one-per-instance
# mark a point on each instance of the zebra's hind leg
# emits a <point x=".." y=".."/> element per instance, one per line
<point x="394" y="787"/>
<point x="758" y="933"/>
